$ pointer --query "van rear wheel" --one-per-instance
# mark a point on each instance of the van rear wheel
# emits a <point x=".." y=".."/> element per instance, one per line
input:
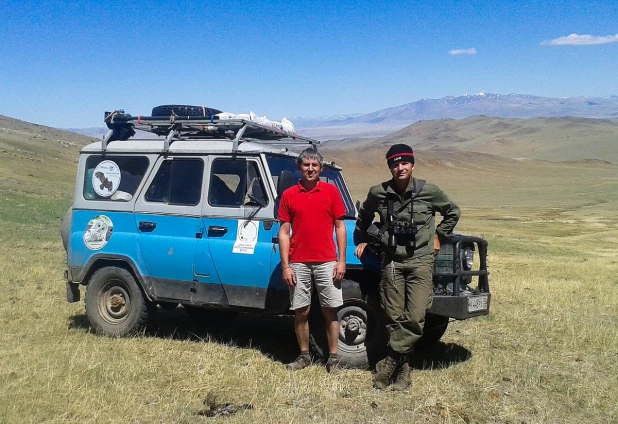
<point x="115" y="305"/>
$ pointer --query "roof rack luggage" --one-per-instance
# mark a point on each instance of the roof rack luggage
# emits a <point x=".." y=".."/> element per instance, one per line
<point x="122" y="126"/>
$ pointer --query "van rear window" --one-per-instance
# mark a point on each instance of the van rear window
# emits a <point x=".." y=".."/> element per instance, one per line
<point x="113" y="178"/>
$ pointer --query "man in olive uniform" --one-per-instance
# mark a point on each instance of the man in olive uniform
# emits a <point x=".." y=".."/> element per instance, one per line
<point x="408" y="240"/>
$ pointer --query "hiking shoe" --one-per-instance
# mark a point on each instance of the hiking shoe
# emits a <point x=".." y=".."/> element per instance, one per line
<point x="303" y="361"/>
<point x="403" y="379"/>
<point x="385" y="370"/>
<point x="333" y="366"/>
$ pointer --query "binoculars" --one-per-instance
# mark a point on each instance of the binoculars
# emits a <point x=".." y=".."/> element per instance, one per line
<point x="401" y="233"/>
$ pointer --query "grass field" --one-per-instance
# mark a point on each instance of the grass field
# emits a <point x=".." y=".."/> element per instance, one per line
<point x="548" y="353"/>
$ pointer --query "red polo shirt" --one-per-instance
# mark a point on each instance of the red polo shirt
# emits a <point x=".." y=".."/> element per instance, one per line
<point x="312" y="215"/>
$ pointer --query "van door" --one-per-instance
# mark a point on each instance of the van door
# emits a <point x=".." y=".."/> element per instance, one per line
<point x="169" y="224"/>
<point x="239" y="226"/>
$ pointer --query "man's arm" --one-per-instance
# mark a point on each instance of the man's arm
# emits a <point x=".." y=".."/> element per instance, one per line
<point x="284" y="252"/>
<point x="365" y="218"/>
<point x="340" y="234"/>
<point x="450" y="213"/>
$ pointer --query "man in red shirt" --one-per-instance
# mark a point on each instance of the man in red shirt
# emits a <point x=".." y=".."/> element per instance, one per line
<point x="312" y="209"/>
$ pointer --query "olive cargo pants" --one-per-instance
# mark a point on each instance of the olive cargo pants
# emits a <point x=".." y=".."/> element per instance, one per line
<point x="406" y="292"/>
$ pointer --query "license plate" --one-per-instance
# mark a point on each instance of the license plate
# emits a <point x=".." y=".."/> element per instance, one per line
<point x="477" y="303"/>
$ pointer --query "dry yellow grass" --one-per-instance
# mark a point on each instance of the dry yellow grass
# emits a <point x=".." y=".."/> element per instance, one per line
<point x="548" y="353"/>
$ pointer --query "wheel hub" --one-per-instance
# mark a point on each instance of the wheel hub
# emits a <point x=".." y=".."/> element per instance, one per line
<point x="115" y="304"/>
<point x="353" y="328"/>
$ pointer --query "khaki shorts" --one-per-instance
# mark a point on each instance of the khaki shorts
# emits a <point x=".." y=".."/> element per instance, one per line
<point x="320" y="274"/>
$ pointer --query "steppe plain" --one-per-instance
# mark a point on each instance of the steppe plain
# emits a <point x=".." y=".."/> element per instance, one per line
<point x="548" y="353"/>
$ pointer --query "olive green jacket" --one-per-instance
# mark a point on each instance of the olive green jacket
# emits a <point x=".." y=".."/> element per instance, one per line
<point x="429" y="201"/>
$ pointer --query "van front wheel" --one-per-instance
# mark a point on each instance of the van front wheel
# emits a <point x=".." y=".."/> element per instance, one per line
<point x="362" y="335"/>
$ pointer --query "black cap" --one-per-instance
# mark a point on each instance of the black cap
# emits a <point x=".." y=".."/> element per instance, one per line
<point x="399" y="152"/>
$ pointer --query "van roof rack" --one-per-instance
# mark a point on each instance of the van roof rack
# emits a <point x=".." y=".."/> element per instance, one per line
<point x="122" y="126"/>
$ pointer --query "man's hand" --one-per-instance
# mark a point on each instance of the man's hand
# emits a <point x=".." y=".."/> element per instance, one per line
<point x="436" y="245"/>
<point x="288" y="277"/>
<point x="340" y="235"/>
<point x="339" y="271"/>
<point x="360" y="249"/>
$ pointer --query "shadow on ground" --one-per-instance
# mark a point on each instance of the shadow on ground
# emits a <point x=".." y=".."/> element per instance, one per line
<point x="440" y="356"/>
<point x="273" y="336"/>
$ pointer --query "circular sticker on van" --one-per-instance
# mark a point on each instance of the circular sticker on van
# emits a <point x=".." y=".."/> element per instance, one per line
<point x="106" y="178"/>
<point x="247" y="232"/>
<point x="98" y="232"/>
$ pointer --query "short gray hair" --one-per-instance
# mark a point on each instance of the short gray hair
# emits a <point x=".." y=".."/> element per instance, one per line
<point x="310" y="152"/>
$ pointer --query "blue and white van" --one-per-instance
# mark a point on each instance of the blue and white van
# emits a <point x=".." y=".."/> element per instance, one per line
<point x="190" y="218"/>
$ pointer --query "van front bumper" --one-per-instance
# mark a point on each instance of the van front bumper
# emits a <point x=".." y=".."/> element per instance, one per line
<point x="463" y="306"/>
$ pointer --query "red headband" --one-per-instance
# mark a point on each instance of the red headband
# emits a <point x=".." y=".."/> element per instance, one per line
<point x="399" y="154"/>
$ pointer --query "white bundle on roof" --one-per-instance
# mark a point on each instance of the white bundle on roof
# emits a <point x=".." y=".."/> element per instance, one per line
<point x="285" y="124"/>
<point x="230" y="115"/>
<point x="288" y="126"/>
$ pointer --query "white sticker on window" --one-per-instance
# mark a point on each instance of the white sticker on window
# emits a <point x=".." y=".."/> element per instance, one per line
<point x="98" y="232"/>
<point x="106" y="178"/>
<point x="246" y="237"/>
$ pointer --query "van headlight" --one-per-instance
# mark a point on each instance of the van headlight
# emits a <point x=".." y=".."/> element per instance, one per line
<point x="468" y="258"/>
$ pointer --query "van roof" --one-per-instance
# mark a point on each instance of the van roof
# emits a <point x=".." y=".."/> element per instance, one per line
<point x="155" y="145"/>
<point x="194" y="146"/>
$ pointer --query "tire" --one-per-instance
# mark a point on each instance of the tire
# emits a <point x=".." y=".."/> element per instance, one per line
<point x="115" y="305"/>
<point x="435" y="327"/>
<point x="184" y="110"/>
<point x="208" y="315"/>
<point x="65" y="227"/>
<point x="362" y="334"/>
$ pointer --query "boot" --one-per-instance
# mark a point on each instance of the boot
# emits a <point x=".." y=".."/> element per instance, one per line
<point x="333" y="365"/>
<point x="403" y="379"/>
<point x="385" y="370"/>
<point x="303" y="361"/>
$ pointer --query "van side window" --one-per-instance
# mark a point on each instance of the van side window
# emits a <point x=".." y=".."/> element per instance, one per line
<point x="177" y="182"/>
<point x="235" y="183"/>
<point x="113" y="178"/>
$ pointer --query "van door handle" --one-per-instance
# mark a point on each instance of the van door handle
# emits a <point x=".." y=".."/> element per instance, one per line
<point x="217" y="229"/>
<point x="146" y="225"/>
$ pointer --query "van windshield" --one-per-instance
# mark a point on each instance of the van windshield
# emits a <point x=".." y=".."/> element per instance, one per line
<point x="329" y="175"/>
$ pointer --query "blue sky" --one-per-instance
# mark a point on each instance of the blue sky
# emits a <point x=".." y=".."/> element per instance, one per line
<point x="63" y="63"/>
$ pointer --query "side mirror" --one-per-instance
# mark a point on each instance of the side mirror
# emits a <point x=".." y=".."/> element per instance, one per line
<point x="286" y="180"/>
<point x="255" y="194"/>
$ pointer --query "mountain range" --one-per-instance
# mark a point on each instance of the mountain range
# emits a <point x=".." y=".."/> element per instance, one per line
<point x="459" y="107"/>
<point x="549" y="139"/>
<point x="386" y="121"/>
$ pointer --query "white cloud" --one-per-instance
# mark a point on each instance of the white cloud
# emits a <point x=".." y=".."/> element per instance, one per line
<point x="463" y="51"/>
<point x="581" y="40"/>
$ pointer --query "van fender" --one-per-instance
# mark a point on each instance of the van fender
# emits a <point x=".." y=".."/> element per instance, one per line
<point x="82" y="275"/>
